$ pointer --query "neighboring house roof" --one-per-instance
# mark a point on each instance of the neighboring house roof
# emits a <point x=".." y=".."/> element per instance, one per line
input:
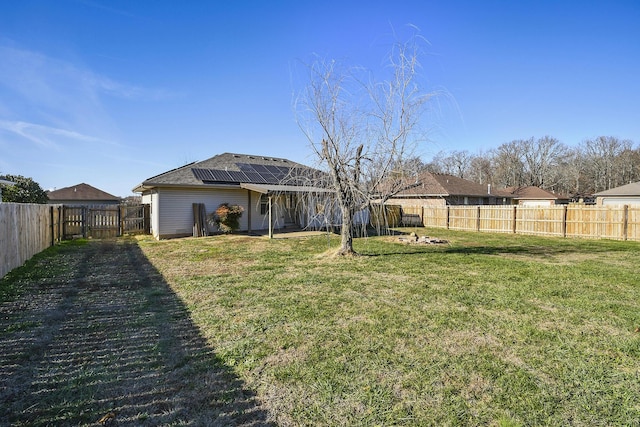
<point x="81" y="193"/>
<point x="632" y="189"/>
<point x="443" y="185"/>
<point x="532" y="193"/>
<point x="233" y="169"/>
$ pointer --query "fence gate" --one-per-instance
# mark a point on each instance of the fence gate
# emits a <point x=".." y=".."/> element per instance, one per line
<point x="100" y="222"/>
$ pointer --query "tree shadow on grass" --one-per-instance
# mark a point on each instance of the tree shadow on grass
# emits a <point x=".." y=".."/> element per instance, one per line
<point x="104" y="333"/>
<point x="531" y="250"/>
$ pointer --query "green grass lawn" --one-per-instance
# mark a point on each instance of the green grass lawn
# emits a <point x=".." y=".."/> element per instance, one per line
<point x="488" y="330"/>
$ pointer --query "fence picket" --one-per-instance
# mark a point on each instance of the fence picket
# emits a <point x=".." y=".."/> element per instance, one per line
<point x="585" y="221"/>
<point x="102" y="222"/>
<point x="26" y="229"/>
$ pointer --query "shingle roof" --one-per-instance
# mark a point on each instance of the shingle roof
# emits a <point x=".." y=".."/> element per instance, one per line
<point x="81" y="192"/>
<point x="191" y="175"/>
<point x="434" y="185"/>
<point x="532" y="193"/>
<point x="632" y="189"/>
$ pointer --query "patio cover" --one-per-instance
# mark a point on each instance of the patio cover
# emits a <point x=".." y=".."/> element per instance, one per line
<point x="274" y="189"/>
<point x="271" y="189"/>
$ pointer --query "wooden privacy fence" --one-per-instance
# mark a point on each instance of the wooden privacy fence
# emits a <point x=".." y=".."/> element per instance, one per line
<point x="100" y="222"/>
<point x="587" y="221"/>
<point x="25" y="230"/>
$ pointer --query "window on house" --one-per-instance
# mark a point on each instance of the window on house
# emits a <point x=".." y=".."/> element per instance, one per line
<point x="264" y="204"/>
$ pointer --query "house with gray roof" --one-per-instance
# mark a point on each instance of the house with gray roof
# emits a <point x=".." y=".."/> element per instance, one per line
<point x="269" y="189"/>
<point x="432" y="189"/>
<point x="624" y="195"/>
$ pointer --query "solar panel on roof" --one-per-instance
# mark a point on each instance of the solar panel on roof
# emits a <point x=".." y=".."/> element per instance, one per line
<point x="202" y="174"/>
<point x="255" y="178"/>
<point x="196" y="174"/>
<point x="272" y="169"/>
<point x="220" y="175"/>
<point x="245" y="167"/>
<point x="257" y="174"/>
<point x="238" y="176"/>
<point x="267" y="178"/>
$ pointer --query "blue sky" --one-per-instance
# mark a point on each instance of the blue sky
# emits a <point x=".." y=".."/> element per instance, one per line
<point x="113" y="92"/>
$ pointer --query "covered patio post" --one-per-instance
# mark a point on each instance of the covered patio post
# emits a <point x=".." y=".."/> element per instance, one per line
<point x="270" y="221"/>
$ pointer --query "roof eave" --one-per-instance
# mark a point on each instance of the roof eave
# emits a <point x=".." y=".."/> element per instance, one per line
<point x="421" y="195"/>
<point x="146" y="186"/>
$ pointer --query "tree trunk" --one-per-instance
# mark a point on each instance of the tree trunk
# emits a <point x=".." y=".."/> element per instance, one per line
<point x="346" y="244"/>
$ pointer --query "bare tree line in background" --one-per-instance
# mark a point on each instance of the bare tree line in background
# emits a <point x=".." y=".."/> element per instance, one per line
<point x="595" y="165"/>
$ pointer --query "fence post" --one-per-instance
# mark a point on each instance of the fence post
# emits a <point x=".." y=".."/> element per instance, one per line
<point x="64" y="223"/>
<point x="515" y="215"/>
<point x="625" y="222"/>
<point x="53" y="234"/>
<point x="448" y="213"/>
<point x="85" y="212"/>
<point x="121" y="216"/>
<point x="478" y="220"/>
<point x="564" y="221"/>
<point x="60" y="223"/>
<point x="422" y="215"/>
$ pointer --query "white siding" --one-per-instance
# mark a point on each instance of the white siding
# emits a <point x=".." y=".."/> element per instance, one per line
<point x="174" y="208"/>
<point x="610" y="201"/>
<point x="535" y="202"/>
<point x="151" y="198"/>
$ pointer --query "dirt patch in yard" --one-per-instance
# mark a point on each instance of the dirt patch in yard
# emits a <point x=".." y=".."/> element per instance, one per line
<point x="103" y="333"/>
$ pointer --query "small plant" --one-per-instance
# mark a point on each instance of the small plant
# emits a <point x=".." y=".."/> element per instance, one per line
<point x="227" y="217"/>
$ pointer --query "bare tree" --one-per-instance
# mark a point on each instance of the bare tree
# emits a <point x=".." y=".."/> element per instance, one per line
<point x="600" y="158"/>
<point x="570" y="173"/>
<point x="457" y="163"/>
<point x="541" y="160"/>
<point x="627" y="164"/>
<point x="509" y="167"/>
<point x="412" y="165"/>
<point x="481" y="169"/>
<point x="361" y="129"/>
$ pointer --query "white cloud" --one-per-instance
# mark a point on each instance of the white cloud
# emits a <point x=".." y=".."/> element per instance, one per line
<point x="44" y="136"/>
<point x="38" y="76"/>
<point x="59" y="121"/>
<point x="44" y="98"/>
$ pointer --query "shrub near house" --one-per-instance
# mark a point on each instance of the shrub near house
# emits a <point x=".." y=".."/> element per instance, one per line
<point x="227" y="217"/>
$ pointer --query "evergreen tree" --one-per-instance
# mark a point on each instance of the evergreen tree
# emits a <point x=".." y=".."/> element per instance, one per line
<point x="25" y="190"/>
